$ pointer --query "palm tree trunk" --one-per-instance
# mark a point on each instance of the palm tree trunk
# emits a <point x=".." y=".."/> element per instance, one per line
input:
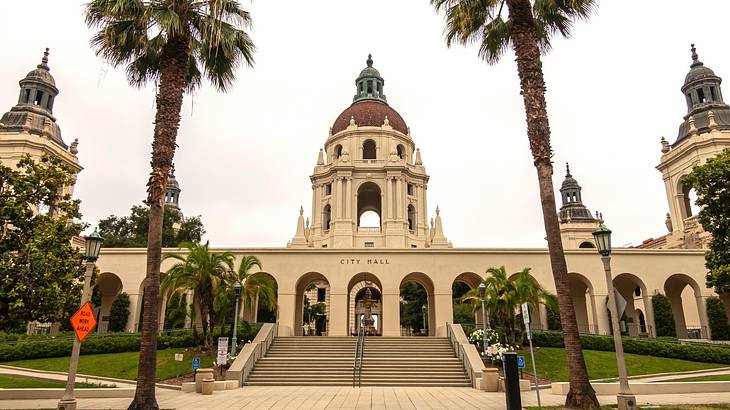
<point x="532" y="82"/>
<point x="173" y="72"/>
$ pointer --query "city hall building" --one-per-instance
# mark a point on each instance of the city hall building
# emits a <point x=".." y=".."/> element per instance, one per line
<point x="370" y="227"/>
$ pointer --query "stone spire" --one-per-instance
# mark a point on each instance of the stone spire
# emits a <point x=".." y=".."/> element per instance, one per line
<point x="300" y="238"/>
<point x="419" y="161"/>
<point x="438" y="239"/>
<point x="320" y="157"/>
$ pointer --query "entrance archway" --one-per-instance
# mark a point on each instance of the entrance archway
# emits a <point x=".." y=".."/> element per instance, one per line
<point x="356" y="290"/>
<point x="369" y="209"/>
<point x="463" y="312"/>
<point x="108" y="287"/>
<point x="687" y="306"/>
<point x="311" y="316"/>
<point x="417" y="299"/>
<point x="633" y="290"/>
<point x="584" y="303"/>
<point x="263" y="307"/>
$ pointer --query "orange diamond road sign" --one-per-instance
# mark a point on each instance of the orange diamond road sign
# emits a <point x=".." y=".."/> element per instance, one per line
<point x="83" y="321"/>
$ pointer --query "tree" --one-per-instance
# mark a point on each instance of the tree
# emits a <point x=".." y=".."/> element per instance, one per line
<point x="719" y="327"/>
<point x="413" y="297"/>
<point x="527" y="28"/>
<point x="41" y="273"/>
<point x="131" y="231"/>
<point x="173" y="44"/>
<point x="255" y="289"/>
<point x="119" y="313"/>
<point x="663" y="316"/>
<point x="711" y="181"/>
<point x="201" y="271"/>
<point x="175" y="311"/>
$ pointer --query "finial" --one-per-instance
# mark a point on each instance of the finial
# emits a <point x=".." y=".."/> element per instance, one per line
<point x="438" y="211"/>
<point x="665" y="145"/>
<point x="74" y="149"/>
<point x="44" y="60"/>
<point x="352" y="120"/>
<point x="386" y="121"/>
<point x="301" y="210"/>
<point x="172" y="170"/>
<point x="370" y="60"/>
<point x="711" y="120"/>
<point x="694" y="53"/>
<point x="567" y="170"/>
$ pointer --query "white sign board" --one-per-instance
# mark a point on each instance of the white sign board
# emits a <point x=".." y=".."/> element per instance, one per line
<point x="178" y="357"/>
<point x="222" y="350"/>
<point x="526" y="313"/>
<point x="620" y="304"/>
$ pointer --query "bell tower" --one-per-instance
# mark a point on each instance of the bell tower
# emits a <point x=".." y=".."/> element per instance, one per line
<point x="369" y="185"/>
<point x="576" y="222"/>
<point x="704" y="133"/>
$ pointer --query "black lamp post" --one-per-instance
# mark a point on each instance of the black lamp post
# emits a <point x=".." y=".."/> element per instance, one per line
<point x="237" y="291"/>
<point x="482" y="293"/>
<point x="602" y="237"/>
<point x="423" y="313"/>
<point x="91" y="254"/>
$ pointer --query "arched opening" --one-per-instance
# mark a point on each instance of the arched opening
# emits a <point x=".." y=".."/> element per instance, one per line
<point x="337" y="151"/>
<point x="586" y="245"/>
<point x="401" y="151"/>
<point x="687" y="306"/>
<point x="416" y="305"/>
<point x="687" y="200"/>
<point x="361" y="304"/>
<point x="584" y="304"/>
<point x="467" y="314"/>
<point x="260" y="303"/>
<point x="368" y="206"/>
<point x="368" y="150"/>
<point x="312" y="305"/>
<point x="633" y="291"/>
<point x="411" y="218"/>
<point x="326" y="217"/>
<point x="642" y="321"/>
<point x="108" y="287"/>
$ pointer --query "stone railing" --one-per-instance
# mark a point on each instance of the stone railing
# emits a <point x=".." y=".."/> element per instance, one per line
<point x="251" y="352"/>
<point x="368" y="229"/>
<point x="466" y="352"/>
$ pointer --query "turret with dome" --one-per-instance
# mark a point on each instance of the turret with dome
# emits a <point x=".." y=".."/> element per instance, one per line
<point x="369" y="184"/>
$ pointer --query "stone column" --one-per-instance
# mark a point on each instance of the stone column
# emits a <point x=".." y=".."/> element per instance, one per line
<point x="399" y="198"/>
<point x="338" y="198"/>
<point x="391" y="312"/>
<point x="443" y="311"/>
<point x="601" y="312"/>
<point x="338" y="313"/>
<point x="348" y="209"/>
<point x="702" y="312"/>
<point x="287" y="306"/>
<point x="133" y="318"/>
<point x="188" y="302"/>
<point x="678" y="312"/>
<point x="388" y="204"/>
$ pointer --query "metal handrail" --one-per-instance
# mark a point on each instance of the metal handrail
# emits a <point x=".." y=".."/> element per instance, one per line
<point x="362" y="355"/>
<point x="358" y="355"/>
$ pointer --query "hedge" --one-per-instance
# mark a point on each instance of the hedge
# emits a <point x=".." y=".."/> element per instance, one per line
<point x="663" y="316"/>
<point x="58" y="347"/>
<point x="646" y="347"/>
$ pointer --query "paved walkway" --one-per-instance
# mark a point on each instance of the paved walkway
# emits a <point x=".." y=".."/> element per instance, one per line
<point x="349" y="398"/>
<point x="63" y="376"/>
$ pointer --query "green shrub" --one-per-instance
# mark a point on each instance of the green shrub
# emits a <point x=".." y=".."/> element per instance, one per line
<point x="553" y="312"/>
<point x="119" y="313"/>
<point x="719" y="326"/>
<point x="663" y="317"/>
<point x="646" y="347"/>
<point x="36" y="348"/>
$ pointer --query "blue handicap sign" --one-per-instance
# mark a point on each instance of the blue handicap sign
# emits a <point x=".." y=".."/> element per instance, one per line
<point x="196" y="362"/>
<point x="520" y="362"/>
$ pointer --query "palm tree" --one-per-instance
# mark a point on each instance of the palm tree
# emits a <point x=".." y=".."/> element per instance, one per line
<point x="201" y="271"/>
<point x="254" y="288"/>
<point x="527" y="28"/>
<point x="174" y="44"/>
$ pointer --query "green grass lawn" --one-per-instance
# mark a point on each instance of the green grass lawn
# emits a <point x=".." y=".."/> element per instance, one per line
<point x="119" y="365"/>
<point x="20" y="382"/>
<point x="709" y="378"/>
<point x="551" y="364"/>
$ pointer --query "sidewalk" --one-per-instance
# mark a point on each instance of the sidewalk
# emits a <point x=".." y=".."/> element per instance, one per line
<point x="63" y="376"/>
<point x="260" y="397"/>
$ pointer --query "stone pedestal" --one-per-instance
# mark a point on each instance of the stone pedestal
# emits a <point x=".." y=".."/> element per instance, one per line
<point x="490" y="379"/>
<point x="200" y="375"/>
<point x="207" y="386"/>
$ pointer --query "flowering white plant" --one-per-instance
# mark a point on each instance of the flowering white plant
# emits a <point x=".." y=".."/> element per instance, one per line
<point x="477" y="336"/>
<point x="494" y="352"/>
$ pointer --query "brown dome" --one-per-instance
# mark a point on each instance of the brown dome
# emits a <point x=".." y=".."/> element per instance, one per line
<point x="369" y="114"/>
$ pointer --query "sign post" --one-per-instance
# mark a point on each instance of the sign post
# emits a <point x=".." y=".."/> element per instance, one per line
<point x="178" y="359"/>
<point x="526" y="319"/>
<point x="196" y="363"/>
<point x="222" y="351"/>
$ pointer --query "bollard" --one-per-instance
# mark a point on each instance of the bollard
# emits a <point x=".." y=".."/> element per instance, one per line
<point x="511" y="381"/>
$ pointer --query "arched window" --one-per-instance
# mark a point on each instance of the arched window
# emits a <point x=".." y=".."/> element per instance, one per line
<point x="327" y="214"/>
<point x="401" y="151"/>
<point x="338" y="151"/>
<point x="586" y="244"/>
<point x="411" y="218"/>
<point x="368" y="149"/>
<point x="368" y="205"/>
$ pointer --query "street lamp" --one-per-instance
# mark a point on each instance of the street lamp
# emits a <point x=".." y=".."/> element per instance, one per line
<point x="482" y="292"/>
<point x="237" y="289"/>
<point x="626" y="399"/>
<point x="91" y="254"/>
<point x="423" y="313"/>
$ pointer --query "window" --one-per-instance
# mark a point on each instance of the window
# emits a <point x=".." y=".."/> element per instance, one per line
<point x="411" y="218"/>
<point x="338" y="151"/>
<point x="49" y="104"/>
<point x="413" y="245"/>
<point x="410" y="189"/>
<point x="326" y="217"/>
<point x="401" y="151"/>
<point x="585" y="245"/>
<point x="324" y="246"/>
<point x="637" y="291"/>
<point x="370" y="86"/>
<point x="26" y="99"/>
<point x="712" y="94"/>
<point x="38" y="97"/>
<point x="369" y="244"/>
<point x="321" y="294"/>
<point x="700" y="95"/>
<point x="368" y="150"/>
<point x="328" y="189"/>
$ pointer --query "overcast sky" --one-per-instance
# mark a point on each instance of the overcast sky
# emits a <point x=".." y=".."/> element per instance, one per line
<point x="245" y="157"/>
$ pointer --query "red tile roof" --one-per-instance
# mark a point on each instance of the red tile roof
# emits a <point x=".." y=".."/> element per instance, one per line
<point x="369" y="114"/>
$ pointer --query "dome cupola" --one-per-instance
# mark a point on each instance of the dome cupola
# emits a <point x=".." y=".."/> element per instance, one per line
<point x="369" y="84"/>
<point x="573" y="209"/>
<point x="172" y="193"/>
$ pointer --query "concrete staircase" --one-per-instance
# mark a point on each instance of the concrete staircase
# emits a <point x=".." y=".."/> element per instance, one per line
<point x="388" y="361"/>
